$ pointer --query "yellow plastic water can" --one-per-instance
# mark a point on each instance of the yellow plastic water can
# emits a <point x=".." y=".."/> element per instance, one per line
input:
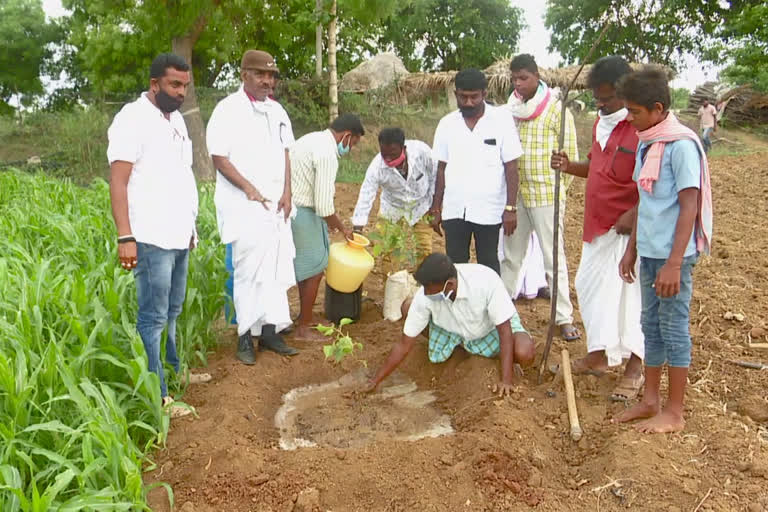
<point x="348" y="264"/>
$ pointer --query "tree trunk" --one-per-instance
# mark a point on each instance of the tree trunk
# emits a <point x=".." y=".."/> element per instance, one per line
<point x="333" y="89"/>
<point x="319" y="41"/>
<point x="201" y="164"/>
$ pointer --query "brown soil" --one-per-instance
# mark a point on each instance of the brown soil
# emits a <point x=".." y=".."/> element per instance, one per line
<point x="511" y="454"/>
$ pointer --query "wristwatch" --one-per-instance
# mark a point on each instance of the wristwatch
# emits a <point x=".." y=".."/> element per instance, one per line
<point x="511" y="208"/>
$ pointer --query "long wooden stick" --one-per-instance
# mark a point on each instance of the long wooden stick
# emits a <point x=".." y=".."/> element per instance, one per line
<point x="556" y="233"/>
<point x="570" y="397"/>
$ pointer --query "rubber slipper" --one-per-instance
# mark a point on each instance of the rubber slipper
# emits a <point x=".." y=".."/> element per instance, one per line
<point x="569" y="334"/>
<point x="628" y="388"/>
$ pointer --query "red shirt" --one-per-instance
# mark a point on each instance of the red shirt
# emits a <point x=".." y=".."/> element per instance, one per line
<point x="610" y="188"/>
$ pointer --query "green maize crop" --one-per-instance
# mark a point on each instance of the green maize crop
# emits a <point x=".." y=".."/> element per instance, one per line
<point x="79" y="411"/>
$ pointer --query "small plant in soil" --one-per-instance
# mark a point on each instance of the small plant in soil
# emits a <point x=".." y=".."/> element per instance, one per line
<point x="395" y="245"/>
<point x="343" y="345"/>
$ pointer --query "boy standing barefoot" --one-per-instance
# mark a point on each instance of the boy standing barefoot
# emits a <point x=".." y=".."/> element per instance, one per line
<point x="674" y="225"/>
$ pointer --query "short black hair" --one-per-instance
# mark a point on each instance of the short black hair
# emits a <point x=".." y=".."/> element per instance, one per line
<point x="348" y="122"/>
<point x="524" y="61"/>
<point x="608" y="70"/>
<point x="164" y="61"/>
<point x="471" y="80"/>
<point x="436" y="268"/>
<point x="393" y="135"/>
<point x="646" y="88"/>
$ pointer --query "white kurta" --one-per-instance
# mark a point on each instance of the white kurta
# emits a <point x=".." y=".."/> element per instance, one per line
<point x="610" y="307"/>
<point x="254" y="136"/>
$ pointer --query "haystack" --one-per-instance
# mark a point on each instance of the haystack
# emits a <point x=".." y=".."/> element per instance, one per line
<point x="499" y="80"/>
<point x="380" y="71"/>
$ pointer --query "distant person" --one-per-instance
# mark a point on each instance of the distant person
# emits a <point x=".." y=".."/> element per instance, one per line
<point x="248" y="138"/>
<point x="708" y="123"/>
<point x="467" y="306"/>
<point x="610" y="307"/>
<point x="406" y="172"/>
<point x="674" y="226"/>
<point x="477" y="148"/>
<point x="537" y="111"/>
<point x="154" y="204"/>
<point x="314" y="163"/>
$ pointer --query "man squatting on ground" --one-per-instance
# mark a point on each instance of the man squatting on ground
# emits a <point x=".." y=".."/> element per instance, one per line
<point x="537" y="112"/>
<point x="610" y="307"/>
<point x="477" y="148"/>
<point x="674" y="225"/>
<point x="314" y="163"/>
<point x="248" y="138"/>
<point x="463" y="305"/>
<point x="406" y="172"/>
<point x="154" y="204"/>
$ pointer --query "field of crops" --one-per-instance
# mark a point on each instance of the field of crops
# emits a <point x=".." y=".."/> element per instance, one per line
<point x="79" y="412"/>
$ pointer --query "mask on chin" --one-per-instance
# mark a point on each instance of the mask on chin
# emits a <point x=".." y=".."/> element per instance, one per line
<point x="166" y="102"/>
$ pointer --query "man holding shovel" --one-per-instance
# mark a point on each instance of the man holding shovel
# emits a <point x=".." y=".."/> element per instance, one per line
<point x="610" y="307"/>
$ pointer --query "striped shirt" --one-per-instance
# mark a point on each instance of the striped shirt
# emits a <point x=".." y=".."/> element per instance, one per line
<point x="314" y="163"/>
<point x="539" y="138"/>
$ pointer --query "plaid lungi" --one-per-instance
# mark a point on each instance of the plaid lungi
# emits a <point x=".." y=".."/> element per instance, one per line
<point x="442" y="342"/>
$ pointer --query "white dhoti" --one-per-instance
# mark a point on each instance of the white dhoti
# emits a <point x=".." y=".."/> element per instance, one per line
<point x="263" y="262"/>
<point x="533" y="275"/>
<point x="610" y="307"/>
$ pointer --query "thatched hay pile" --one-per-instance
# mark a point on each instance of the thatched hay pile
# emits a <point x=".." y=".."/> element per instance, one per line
<point x="499" y="80"/>
<point x="380" y="71"/>
<point x="744" y="105"/>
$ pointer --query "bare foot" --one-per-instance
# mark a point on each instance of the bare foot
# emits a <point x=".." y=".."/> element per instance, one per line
<point x="637" y="412"/>
<point x="307" y="333"/>
<point x="662" y="423"/>
<point x="589" y="366"/>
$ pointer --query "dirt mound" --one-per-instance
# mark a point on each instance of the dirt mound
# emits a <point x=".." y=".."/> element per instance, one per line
<point x="512" y="454"/>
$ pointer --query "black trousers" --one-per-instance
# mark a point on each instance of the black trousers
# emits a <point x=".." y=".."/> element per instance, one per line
<point x="458" y="235"/>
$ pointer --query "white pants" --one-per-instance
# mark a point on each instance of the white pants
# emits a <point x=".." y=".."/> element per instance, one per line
<point x="541" y="221"/>
<point x="610" y="307"/>
<point x="263" y="263"/>
<point x="532" y="275"/>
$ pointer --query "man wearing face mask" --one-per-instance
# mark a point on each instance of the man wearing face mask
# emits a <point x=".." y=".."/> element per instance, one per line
<point x="154" y="204"/>
<point x="314" y="163"/>
<point x="463" y="305"/>
<point x="405" y="171"/>
<point x="610" y="307"/>
<point x="248" y="138"/>
<point x="477" y="148"/>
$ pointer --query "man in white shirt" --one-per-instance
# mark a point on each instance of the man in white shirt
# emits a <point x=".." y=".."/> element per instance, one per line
<point x="314" y="163"/>
<point x="477" y="148"/>
<point x="154" y="204"/>
<point x="248" y="138"/>
<point x="463" y="305"/>
<point x="708" y="121"/>
<point x="406" y="172"/>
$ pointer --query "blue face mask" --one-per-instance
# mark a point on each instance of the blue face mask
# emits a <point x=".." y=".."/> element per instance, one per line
<point x="442" y="295"/>
<point x="343" y="150"/>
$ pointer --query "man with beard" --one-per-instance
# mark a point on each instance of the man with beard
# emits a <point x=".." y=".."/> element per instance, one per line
<point x="537" y="111"/>
<point x="248" y="138"/>
<point x="154" y="204"/>
<point x="610" y="307"/>
<point x="477" y="148"/>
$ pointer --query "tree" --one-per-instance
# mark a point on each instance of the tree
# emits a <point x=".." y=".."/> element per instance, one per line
<point x="25" y="38"/>
<point x="659" y="31"/>
<point x="745" y="45"/>
<point x="432" y="35"/>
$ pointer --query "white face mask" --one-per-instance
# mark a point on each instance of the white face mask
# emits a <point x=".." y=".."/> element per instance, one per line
<point x="442" y="295"/>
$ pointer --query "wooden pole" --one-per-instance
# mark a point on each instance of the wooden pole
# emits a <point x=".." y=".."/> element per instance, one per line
<point x="319" y="40"/>
<point x="570" y="397"/>
<point x="333" y="89"/>
<point x="556" y="230"/>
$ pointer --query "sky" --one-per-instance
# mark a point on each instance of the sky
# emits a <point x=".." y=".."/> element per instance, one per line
<point x="534" y="40"/>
